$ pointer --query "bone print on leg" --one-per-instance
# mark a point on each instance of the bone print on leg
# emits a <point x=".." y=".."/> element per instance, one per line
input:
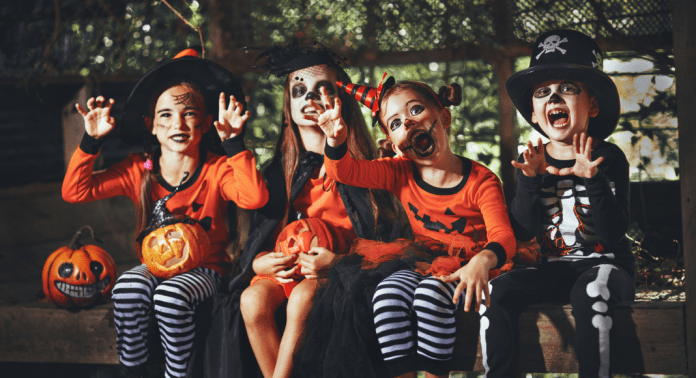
<point x="599" y="285"/>
<point x="482" y="332"/>
<point x="603" y="324"/>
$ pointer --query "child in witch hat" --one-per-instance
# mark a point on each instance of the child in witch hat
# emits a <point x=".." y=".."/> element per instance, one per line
<point x="456" y="209"/>
<point x="572" y="195"/>
<point x="169" y="111"/>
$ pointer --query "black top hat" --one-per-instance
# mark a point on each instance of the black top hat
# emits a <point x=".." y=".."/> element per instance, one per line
<point x="568" y="55"/>
<point x="210" y="78"/>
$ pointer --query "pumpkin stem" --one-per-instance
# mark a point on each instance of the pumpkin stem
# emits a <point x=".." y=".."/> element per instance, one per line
<point x="75" y="242"/>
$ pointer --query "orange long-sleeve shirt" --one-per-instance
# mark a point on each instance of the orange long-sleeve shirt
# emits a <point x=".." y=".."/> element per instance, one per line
<point x="470" y="216"/>
<point x="203" y="197"/>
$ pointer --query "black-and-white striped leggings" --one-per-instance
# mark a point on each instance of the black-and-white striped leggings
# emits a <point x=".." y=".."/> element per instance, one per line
<point x="414" y="320"/>
<point x="174" y="302"/>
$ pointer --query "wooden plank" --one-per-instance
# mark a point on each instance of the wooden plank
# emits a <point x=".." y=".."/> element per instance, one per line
<point x="649" y="340"/>
<point x="684" y="30"/>
<point x="41" y="332"/>
<point x="650" y="337"/>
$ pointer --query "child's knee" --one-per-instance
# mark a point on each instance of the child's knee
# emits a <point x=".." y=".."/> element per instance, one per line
<point x="436" y="290"/>
<point x="301" y="298"/>
<point x="251" y="303"/>
<point x="498" y="290"/>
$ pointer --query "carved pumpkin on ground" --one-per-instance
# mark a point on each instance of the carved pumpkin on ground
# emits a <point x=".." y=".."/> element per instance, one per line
<point x="78" y="275"/>
<point x="172" y="243"/>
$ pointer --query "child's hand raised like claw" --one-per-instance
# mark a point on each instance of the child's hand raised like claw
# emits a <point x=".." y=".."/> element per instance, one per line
<point x="584" y="166"/>
<point x="534" y="160"/>
<point x="329" y="119"/>
<point x="98" y="120"/>
<point x="230" y="121"/>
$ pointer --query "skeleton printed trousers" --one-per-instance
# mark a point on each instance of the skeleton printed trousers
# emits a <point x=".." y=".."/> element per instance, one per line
<point x="414" y="320"/>
<point x="138" y="293"/>
<point x="593" y="288"/>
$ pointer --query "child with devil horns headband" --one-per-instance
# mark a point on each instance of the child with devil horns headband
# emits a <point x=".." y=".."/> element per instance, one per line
<point x="573" y="196"/>
<point x="455" y="206"/>
<point x="242" y="323"/>
<point x="172" y="108"/>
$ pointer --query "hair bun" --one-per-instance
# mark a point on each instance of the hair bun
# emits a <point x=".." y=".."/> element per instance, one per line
<point x="451" y="94"/>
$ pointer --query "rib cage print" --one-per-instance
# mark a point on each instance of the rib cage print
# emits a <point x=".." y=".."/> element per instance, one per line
<point x="567" y="220"/>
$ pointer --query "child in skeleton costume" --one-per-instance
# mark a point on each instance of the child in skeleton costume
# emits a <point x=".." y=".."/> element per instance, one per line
<point x="171" y="108"/>
<point x="573" y="196"/>
<point x="298" y="188"/>
<point x="455" y="207"/>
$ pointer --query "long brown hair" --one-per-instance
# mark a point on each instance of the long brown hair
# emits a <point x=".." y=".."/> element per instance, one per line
<point x="152" y="153"/>
<point x="360" y="144"/>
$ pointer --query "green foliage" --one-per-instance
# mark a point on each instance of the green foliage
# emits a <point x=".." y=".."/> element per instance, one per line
<point x="125" y="38"/>
<point x="386" y="25"/>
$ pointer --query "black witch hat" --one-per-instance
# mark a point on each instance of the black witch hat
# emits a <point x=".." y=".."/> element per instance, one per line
<point x="210" y="77"/>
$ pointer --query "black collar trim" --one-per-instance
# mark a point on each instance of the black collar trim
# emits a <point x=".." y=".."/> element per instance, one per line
<point x="189" y="182"/>
<point x="466" y="171"/>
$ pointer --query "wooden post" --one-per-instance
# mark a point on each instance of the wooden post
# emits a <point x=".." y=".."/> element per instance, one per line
<point x="684" y="30"/>
<point x="73" y="124"/>
<point x="503" y="66"/>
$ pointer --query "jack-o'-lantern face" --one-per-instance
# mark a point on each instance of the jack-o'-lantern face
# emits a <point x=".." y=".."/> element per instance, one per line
<point x="78" y="276"/>
<point x="302" y="235"/>
<point x="175" y="249"/>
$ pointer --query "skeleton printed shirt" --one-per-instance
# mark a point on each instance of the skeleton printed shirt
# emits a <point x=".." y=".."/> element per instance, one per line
<point x="575" y="218"/>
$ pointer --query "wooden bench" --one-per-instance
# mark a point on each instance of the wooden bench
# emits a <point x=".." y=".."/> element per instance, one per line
<point x="650" y="339"/>
<point x="650" y="335"/>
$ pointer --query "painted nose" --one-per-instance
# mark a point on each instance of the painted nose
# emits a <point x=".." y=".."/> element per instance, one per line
<point x="311" y="96"/>
<point x="555" y="98"/>
<point x="408" y="123"/>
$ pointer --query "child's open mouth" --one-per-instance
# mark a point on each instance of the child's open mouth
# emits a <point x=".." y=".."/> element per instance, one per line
<point x="422" y="142"/>
<point x="179" y="138"/>
<point x="558" y="118"/>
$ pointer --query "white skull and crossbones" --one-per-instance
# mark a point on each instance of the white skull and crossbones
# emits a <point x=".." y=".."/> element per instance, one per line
<point x="550" y="45"/>
<point x="598" y="58"/>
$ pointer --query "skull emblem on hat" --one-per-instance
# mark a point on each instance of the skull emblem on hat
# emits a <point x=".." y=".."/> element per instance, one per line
<point x="551" y="44"/>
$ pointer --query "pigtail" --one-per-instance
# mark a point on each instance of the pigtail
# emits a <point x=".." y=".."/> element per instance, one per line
<point x="150" y="165"/>
<point x="450" y="95"/>
<point x="385" y="148"/>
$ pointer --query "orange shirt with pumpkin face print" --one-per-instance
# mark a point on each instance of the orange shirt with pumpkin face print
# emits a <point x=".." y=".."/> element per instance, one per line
<point x="469" y="217"/>
<point x="203" y="197"/>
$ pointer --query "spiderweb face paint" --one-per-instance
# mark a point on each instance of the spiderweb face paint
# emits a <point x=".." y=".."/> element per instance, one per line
<point x="305" y="85"/>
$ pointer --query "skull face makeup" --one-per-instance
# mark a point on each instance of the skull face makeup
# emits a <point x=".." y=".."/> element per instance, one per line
<point x="305" y="85"/>
<point x="562" y="108"/>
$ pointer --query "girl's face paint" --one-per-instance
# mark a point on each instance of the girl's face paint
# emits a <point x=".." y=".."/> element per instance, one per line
<point x="180" y="122"/>
<point x="416" y="128"/>
<point x="304" y="86"/>
<point x="562" y="108"/>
